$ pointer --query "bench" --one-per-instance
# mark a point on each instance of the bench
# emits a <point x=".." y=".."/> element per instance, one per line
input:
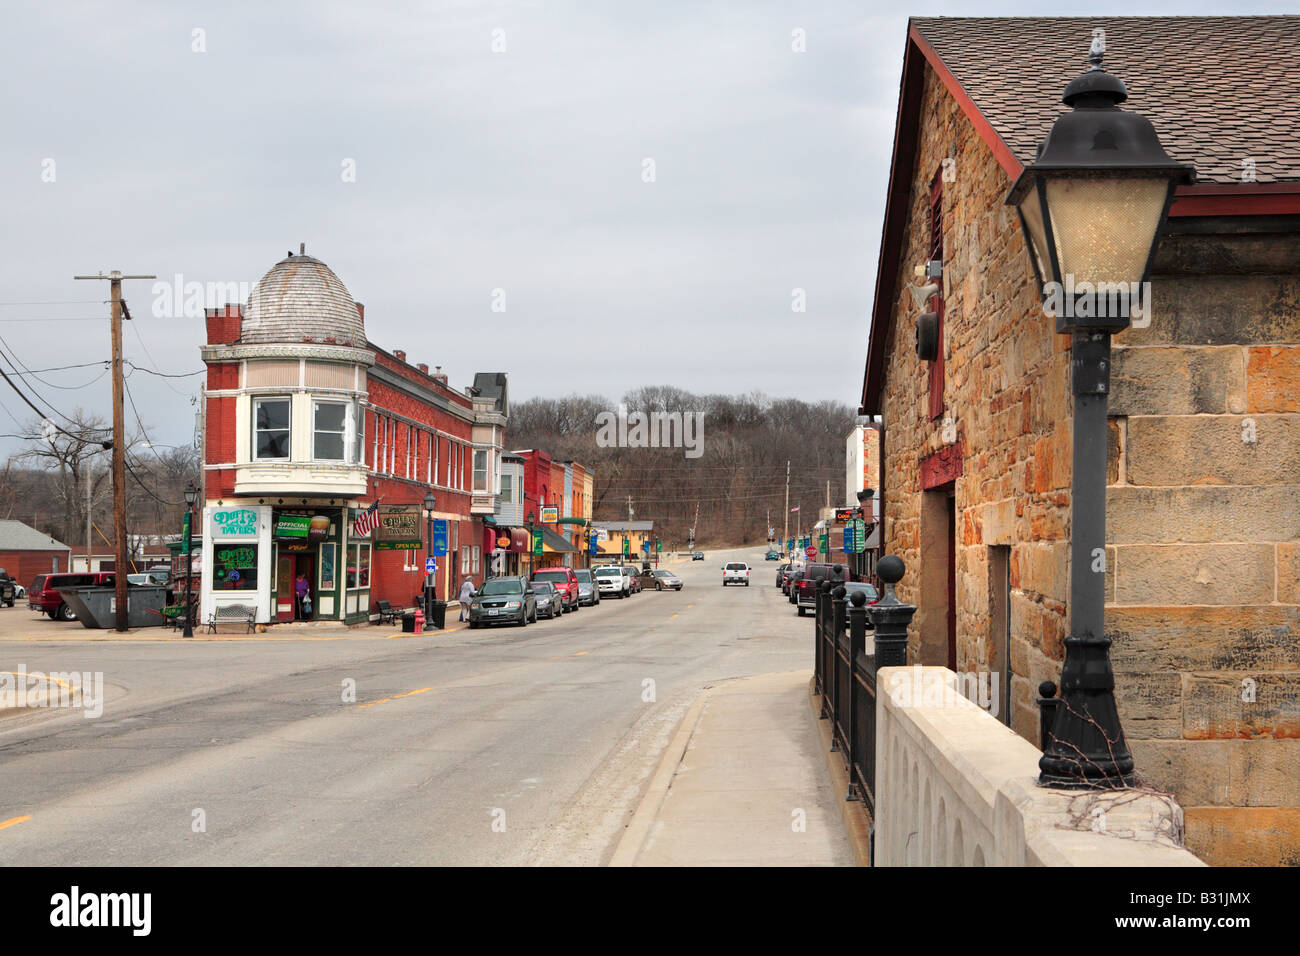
<point x="233" y="613"/>
<point x="389" y="614"/>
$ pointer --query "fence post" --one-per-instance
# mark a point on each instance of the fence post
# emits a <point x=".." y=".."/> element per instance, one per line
<point x="829" y="649"/>
<point x="1048" y="704"/>
<point x="819" y="629"/>
<point x="891" y="616"/>
<point x="856" y="617"/>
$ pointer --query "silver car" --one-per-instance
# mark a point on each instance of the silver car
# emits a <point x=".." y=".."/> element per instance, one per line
<point x="588" y="592"/>
<point x="548" y="599"/>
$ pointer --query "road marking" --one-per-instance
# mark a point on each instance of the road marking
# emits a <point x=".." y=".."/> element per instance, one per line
<point x="580" y="653"/>
<point x="673" y="617"/>
<point x="385" y="700"/>
<point x="13" y="821"/>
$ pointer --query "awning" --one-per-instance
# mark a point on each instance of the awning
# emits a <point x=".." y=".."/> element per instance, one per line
<point x="577" y="521"/>
<point x="552" y="543"/>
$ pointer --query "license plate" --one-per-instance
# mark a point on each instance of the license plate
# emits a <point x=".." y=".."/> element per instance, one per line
<point x="492" y="613"/>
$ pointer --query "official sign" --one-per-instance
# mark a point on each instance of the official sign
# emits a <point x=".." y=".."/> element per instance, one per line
<point x="810" y="551"/>
<point x="430" y="565"/>
<point x="848" y="540"/>
<point x="399" y="528"/>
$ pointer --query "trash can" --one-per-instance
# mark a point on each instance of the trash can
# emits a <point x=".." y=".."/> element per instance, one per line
<point x="408" y="622"/>
<point x="438" y="618"/>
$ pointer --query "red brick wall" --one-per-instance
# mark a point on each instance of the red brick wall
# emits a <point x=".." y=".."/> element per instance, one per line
<point x="23" y="566"/>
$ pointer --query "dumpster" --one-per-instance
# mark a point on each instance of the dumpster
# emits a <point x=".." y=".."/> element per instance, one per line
<point x="438" y="618"/>
<point x="408" y="622"/>
<point x="96" y="607"/>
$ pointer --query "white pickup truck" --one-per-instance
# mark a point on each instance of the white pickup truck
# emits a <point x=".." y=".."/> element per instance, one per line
<point x="735" y="572"/>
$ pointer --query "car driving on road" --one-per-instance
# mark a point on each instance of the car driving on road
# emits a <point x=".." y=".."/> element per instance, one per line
<point x="661" y="579"/>
<point x="503" y="601"/>
<point x="735" y="572"/>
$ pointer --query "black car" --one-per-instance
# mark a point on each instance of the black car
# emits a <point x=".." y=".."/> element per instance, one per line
<point x="697" y="556"/>
<point x="503" y="601"/>
<point x="8" y="590"/>
<point x="780" y="570"/>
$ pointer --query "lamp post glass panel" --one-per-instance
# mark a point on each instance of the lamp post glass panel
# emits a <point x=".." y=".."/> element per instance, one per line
<point x="1093" y="205"/>
<point x="191" y="495"/>
<point x="430" y="587"/>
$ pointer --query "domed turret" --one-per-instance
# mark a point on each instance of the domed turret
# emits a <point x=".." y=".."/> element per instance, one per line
<point x="302" y="300"/>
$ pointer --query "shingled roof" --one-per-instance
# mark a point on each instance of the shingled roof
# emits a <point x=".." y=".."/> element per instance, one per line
<point x="1220" y="90"/>
<point x="302" y="300"/>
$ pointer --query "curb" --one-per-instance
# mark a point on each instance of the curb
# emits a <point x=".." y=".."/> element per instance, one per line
<point x="857" y="821"/>
<point x="638" y="829"/>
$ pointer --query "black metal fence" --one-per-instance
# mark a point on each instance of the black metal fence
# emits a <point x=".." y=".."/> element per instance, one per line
<point x="853" y="641"/>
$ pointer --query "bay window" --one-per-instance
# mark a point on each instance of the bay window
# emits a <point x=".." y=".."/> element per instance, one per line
<point x="271" y="429"/>
<point x="329" y="431"/>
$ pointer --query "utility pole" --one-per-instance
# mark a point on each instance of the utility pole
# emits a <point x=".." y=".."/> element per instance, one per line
<point x="88" y="542"/>
<point x="627" y="538"/>
<point x="115" y="278"/>
<point x="785" y="532"/>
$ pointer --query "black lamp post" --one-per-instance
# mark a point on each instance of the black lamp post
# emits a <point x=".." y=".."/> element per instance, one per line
<point x="1092" y="205"/>
<point x="430" y="587"/>
<point x="191" y="495"/>
<point x="531" y="518"/>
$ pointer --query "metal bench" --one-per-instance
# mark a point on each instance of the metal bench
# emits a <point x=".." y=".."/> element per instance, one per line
<point x="233" y="613"/>
<point x="387" y="613"/>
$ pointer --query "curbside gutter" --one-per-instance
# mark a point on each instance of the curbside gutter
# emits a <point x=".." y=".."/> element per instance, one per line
<point x="857" y="821"/>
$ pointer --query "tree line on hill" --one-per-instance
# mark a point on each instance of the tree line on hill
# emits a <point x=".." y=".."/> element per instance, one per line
<point x="730" y="465"/>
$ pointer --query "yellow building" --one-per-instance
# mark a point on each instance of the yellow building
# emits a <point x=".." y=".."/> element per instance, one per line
<point x="611" y="544"/>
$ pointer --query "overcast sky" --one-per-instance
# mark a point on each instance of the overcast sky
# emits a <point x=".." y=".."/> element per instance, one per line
<point x="520" y="170"/>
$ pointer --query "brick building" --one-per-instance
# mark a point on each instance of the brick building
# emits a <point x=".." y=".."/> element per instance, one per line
<point x="306" y="424"/>
<point x="26" y="552"/>
<point x="1203" y="562"/>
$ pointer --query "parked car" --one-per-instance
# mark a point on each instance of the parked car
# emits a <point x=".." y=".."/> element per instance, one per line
<point x="697" y="556"/>
<point x="503" y="601"/>
<point x="662" y="579"/>
<point x="805" y="588"/>
<point x="866" y="588"/>
<point x="772" y="556"/>
<point x="8" y="589"/>
<point x="43" y="595"/>
<point x="735" y="572"/>
<point x="547" y="599"/>
<point x="611" y="580"/>
<point x="633" y="580"/>
<point x="588" y="593"/>
<point x="780" y="572"/>
<point x="565" y="581"/>
<point x="788" y="574"/>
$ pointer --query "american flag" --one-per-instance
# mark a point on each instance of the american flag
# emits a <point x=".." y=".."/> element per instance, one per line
<point x="366" y="522"/>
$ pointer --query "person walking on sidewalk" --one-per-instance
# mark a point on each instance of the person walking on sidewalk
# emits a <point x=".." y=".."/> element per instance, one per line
<point x="466" y="592"/>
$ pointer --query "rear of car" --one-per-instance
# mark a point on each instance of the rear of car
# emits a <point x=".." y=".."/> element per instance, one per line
<point x="565" y="583"/>
<point x="633" y="579"/>
<point x="804" y="590"/>
<point x="610" y="580"/>
<point x="735" y="572"/>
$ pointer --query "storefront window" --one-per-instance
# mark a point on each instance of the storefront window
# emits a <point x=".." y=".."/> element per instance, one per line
<point x="359" y="565"/>
<point x="271" y="428"/>
<point x="234" y="567"/>
<point x="327" y="566"/>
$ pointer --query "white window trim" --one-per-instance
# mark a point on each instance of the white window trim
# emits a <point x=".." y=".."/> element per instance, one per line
<point x="258" y="400"/>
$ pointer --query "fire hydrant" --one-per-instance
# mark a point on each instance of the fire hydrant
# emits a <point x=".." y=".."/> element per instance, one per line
<point x="419" y="620"/>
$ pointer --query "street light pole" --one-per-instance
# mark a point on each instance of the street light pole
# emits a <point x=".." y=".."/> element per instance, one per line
<point x="191" y="494"/>
<point x="430" y="588"/>
<point x="1092" y="206"/>
<point x="531" y="533"/>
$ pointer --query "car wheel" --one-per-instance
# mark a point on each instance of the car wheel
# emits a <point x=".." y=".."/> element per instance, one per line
<point x="746" y="584"/>
<point x="801" y="610"/>
<point x="659" y="586"/>
<point x="65" y="613"/>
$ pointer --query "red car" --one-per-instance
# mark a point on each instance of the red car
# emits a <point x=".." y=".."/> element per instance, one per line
<point x="43" y="595"/>
<point x="566" y="583"/>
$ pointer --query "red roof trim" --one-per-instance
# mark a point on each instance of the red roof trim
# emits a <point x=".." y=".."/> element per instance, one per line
<point x="1237" y="199"/>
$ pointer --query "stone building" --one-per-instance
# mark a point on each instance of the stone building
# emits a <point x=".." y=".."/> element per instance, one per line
<point x="1203" y="562"/>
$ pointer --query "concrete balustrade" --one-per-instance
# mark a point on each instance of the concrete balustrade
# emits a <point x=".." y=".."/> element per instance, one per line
<point x="956" y="787"/>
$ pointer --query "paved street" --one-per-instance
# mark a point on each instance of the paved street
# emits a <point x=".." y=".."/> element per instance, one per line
<point x="516" y="745"/>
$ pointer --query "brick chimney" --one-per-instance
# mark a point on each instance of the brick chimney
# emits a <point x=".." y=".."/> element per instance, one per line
<point x="401" y="356"/>
<point x="224" y="324"/>
<point x="423" y="367"/>
<point x="361" y="311"/>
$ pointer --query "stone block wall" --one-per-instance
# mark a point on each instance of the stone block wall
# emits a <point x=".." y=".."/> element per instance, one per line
<point x="1204" y="538"/>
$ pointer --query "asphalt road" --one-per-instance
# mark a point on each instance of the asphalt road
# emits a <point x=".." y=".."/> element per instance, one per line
<point x="494" y="746"/>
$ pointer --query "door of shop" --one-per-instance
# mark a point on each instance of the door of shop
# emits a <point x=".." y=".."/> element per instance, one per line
<point x="287" y="568"/>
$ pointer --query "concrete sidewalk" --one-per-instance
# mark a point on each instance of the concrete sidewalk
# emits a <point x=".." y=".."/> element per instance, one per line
<point x="743" y="783"/>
